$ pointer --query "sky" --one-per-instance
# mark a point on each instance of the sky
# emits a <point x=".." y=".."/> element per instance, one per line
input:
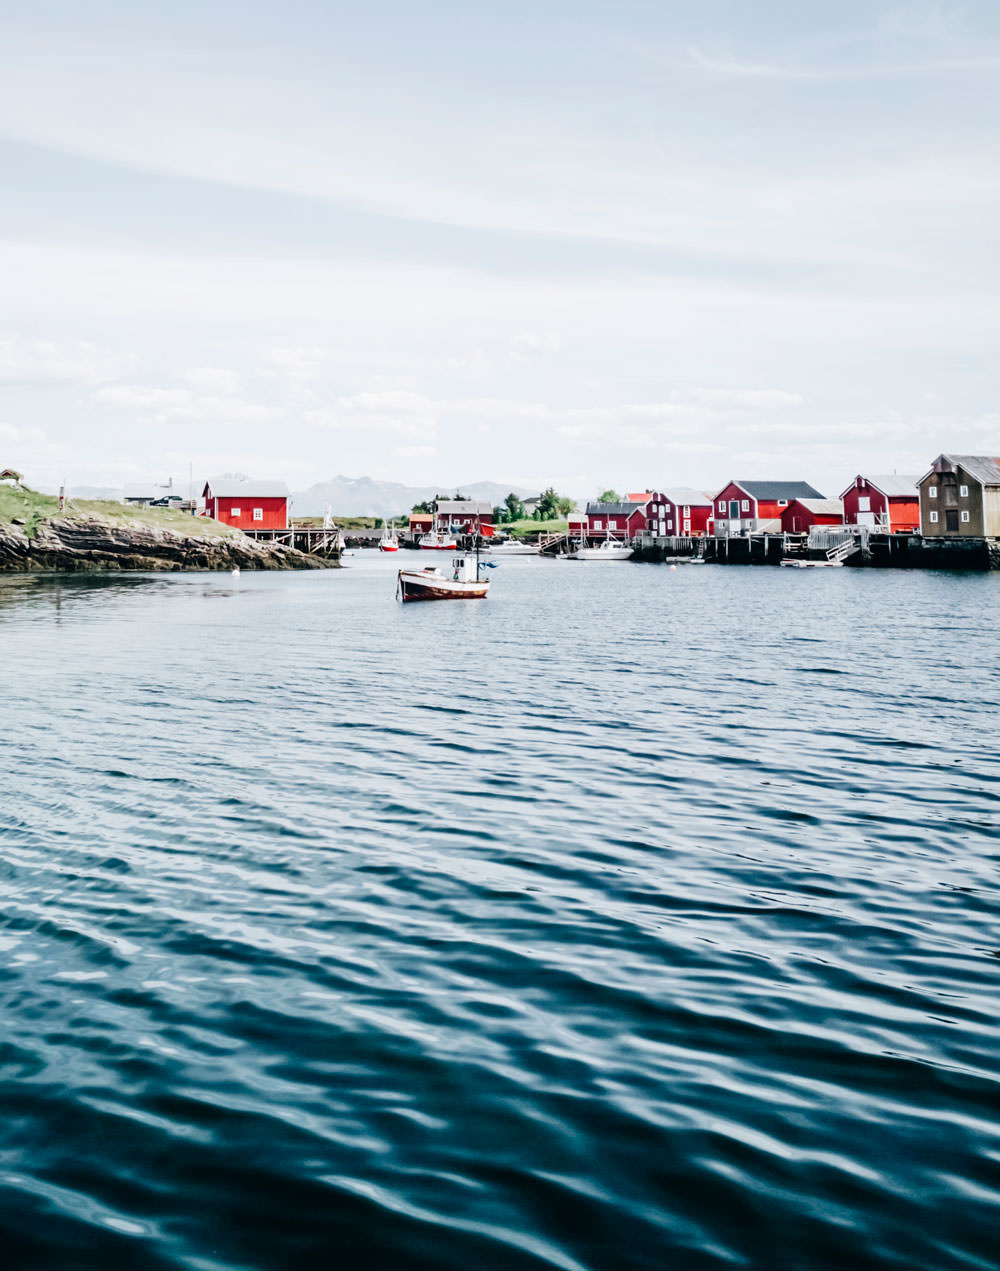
<point x="577" y="244"/>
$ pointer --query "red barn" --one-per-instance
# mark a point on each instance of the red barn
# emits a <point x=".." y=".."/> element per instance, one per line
<point x="679" y="512"/>
<point x="249" y="505"/>
<point x="887" y="503"/>
<point x="615" y="520"/>
<point x="742" y="507"/>
<point x="801" y="514"/>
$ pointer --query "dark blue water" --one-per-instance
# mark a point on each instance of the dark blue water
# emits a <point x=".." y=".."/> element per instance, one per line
<point x="632" y="918"/>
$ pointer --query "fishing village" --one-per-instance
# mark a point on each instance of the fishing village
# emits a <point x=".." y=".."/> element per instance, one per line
<point x="948" y="517"/>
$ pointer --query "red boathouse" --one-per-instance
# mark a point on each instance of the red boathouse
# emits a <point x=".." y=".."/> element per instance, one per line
<point x="802" y="514"/>
<point x="744" y="507"/>
<point x="886" y="503"/>
<point x="248" y="505"/>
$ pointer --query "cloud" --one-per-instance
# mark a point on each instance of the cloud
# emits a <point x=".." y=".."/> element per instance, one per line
<point x="415" y="452"/>
<point x="295" y="362"/>
<point x="212" y="379"/>
<point x="44" y="362"/>
<point x="537" y="342"/>
<point x="392" y="411"/>
<point x="181" y="404"/>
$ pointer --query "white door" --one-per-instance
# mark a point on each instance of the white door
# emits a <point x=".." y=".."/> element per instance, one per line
<point x="866" y="518"/>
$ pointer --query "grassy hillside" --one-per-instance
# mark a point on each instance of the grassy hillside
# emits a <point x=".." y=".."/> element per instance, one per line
<point x="528" y="526"/>
<point x="20" y="503"/>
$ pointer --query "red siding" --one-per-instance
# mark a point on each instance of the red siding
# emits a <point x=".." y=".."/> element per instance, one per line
<point x="273" y="512"/>
<point x="698" y="519"/>
<point x="904" y="512"/>
<point x="797" y="518"/>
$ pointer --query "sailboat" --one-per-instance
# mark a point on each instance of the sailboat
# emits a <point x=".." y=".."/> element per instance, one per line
<point x="389" y="542"/>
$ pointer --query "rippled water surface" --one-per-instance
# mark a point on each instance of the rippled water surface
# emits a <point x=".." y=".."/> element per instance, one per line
<point x="632" y="918"/>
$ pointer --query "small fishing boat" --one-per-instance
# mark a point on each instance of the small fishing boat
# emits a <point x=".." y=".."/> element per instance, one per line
<point x="435" y="542"/>
<point x="461" y="583"/>
<point x="793" y="563"/>
<point x="610" y="549"/>
<point x="389" y="542"/>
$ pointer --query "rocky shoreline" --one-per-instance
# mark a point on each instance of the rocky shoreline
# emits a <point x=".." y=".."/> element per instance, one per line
<point x="76" y="544"/>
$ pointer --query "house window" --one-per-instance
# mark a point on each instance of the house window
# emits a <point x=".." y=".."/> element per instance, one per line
<point x="865" y="504"/>
<point x="932" y="491"/>
<point x="687" y="510"/>
<point x="258" y="514"/>
<point x="670" y="525"/>
<point x="722" y="505"/>
<point x="933" y="517"/>
<point x="782" y="503"/>
<point x="965" y="516"/>
<point x="745" y="505"/>
<point x="234" y="512"/>
<point x="597" y="525"/>
<point x="963" y="491"/>
<point x="687" y="527"/>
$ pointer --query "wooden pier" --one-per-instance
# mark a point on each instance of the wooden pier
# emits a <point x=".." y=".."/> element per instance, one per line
<point x="313" y="541"/>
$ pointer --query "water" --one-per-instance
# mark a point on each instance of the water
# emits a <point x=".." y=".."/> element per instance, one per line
<point x="632" y="918"/>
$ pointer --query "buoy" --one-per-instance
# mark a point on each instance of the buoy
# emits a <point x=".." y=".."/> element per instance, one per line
<point x="236" y="571"/>
<point x="673" y="566"/>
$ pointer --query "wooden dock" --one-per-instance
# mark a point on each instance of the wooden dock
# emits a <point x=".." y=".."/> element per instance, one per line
<point x="313" y="541"/>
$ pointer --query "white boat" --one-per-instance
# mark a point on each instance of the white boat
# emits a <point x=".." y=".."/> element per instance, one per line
<point x="511" y="548"/>
<point x="462" y="582"/>
<point x="794" y="563"/>
<point x="389" y="542"/>
<point x="435" y="542"/>
<point x="610" y="549"/>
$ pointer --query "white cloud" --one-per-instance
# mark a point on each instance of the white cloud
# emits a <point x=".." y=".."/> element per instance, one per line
<point x="212" y="379"/>
<point x="41" y="362"/>
<point x="537" y="342"/>
<point x="295" y="362"/>
<point x="392" y="411"/>
<point x="137" y="396"/>
<point x="181" y="404"/>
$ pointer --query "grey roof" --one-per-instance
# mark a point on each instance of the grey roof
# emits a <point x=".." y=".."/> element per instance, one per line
<point x="833" y="507"/>
<point x="891" y="486"/>
<point x="232" y="488"/>
<point x="456" y="507"/>
<point x="985" y="469"/>
<point x="779" y="490"/>
<point x="612" y="509"/>
<point x="684" y="494"/>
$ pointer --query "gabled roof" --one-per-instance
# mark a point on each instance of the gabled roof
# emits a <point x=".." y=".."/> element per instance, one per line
<point x="892" y="486"/>
<point x="779" y="489"/>
<point x="685" y="495"/>
<point x="641" y="496"/>
<point x="233" y="488"/>
<point x="985" y="469"/>
<point x="612" y="509"/>
<point x="458" y="507"/>
<point x="822" y="507"/>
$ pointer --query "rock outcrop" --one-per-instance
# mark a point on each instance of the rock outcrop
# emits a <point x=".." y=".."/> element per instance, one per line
<point x="94" y="544"/>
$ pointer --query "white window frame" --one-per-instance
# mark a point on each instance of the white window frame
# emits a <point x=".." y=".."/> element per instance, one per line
<point x="933" y="517"/>
<point x="597" y="525"/>
<point x="258" y="514"/>
<point x="963" y="491"/>
<point x="722" y="506"/>
<point x="932" y="491"/>
<point x="782" y="503"/>
<point x="745" y="505"/>
<point x="965" y="517"/>
<point x="865" y="504"/>
<point x="235" y="512"/>
<point x="687" y="510"/>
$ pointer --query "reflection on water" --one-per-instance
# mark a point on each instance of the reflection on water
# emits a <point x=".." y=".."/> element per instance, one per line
<point x="631" y="918"/>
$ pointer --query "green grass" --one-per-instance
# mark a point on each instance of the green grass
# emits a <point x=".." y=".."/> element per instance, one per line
<point x="528" y="526"/>
<point x="20" y="503"/>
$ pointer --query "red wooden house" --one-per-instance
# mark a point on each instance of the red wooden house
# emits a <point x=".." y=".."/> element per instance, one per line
<point x="249" y="505"/>
<point x="615" y="520"/>
<point x="744" y="507"/>
<point x="802" y="514"/>
<point x="463" y="516"/>
<point x="888" y="503"/>
<point x="679" y="512"/>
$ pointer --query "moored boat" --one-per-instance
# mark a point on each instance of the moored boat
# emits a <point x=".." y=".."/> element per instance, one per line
<point x="461" y="583"/>
<point x="436" y="542"/>
<point x="610" y="549"/>
<point x="389" y="542"/>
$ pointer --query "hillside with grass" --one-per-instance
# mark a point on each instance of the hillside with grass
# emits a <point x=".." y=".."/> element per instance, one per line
<point x="98" y="534"/>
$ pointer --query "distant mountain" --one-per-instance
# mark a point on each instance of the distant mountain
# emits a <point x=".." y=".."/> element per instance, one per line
<point x="361" y="496"/>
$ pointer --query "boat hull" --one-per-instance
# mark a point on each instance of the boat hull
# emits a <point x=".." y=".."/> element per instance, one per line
<point x="600" y="553"/>
<point x="417" y="585"/>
